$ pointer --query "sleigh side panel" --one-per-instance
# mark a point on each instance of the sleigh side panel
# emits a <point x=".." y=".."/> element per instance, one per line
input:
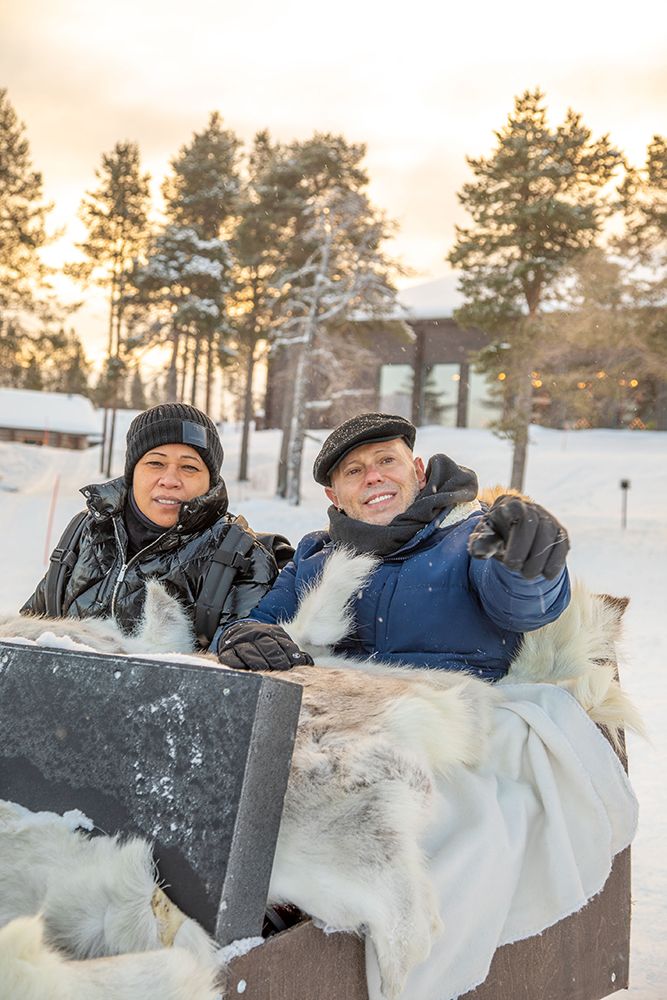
<point x="584" y="957"/>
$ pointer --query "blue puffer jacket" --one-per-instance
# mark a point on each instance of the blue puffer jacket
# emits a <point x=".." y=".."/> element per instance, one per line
<point x="430" y="603"/>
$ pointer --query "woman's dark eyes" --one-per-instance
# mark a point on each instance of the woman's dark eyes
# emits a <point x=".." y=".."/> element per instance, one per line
<point x="160" y="465"/>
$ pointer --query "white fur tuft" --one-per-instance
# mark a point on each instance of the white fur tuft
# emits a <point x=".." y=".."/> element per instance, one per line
<point x="31" y="970"/>
<point x="324" y="616"/>
<point x="578" y="652"/>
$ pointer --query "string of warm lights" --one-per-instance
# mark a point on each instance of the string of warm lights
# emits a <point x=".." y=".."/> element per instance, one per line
<point x="537" y="382"/>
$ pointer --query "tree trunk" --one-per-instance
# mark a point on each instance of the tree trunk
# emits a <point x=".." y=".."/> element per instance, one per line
<point x="112" y="433"/>
<point x="195" y="369"/>
<point x="209" y="369"/>
<point x="171" y="386"/>
<point x="298" y="421"/>
<point x="297" y="427"/>
<point x="105" y="437"/>
<point x="247" y="414"/>
<point x="287" y="387"/>
<point x="184" y="365"/>
<point x="523" y="406"/>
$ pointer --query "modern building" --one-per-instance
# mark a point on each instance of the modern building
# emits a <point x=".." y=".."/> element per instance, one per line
<point x="416" y="363"/>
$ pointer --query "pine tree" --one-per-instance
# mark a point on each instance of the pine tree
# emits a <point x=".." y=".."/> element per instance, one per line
<point x="184" y="280"/>
<point x="256" y="248"/>
<point x="201" y="195"/>
<point x="116" y="216"/>
<point x="536" y="204"/>
<point x="12" y="342"/>
<point x="22" y="215"/>
<point x="270" y="241"/>
<point x="643" y="199"/>
<point x="137" y="391"/>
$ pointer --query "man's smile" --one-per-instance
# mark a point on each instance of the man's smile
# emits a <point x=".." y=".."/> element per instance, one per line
<point x="379" y="498"/>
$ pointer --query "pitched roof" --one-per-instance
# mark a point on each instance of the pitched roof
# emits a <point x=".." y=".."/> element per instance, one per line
<point x="26" y="409"/>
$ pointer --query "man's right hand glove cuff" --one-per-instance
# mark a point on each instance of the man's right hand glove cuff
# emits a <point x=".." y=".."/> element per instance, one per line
<point x="250" y="645"/>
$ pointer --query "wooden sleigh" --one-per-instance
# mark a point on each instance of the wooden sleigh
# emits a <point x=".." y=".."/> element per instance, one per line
<point x="584" y="957"/>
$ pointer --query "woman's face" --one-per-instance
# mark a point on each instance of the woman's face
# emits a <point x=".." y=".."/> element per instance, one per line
<point x="165" y="477"/>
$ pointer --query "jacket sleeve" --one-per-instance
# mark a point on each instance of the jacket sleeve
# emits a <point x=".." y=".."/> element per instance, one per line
<point x="36" y="603"/>
<point x="266" y="610"/>
<point x="515" y="603"/>
<point x="282" y="550"/>
<point x="281" y="601"/>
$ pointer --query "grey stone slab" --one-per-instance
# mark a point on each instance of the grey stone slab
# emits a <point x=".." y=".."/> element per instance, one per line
<point x="193" y="757"/>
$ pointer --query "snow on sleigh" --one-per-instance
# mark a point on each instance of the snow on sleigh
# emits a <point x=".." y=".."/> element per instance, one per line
<point x="472" y="839"/>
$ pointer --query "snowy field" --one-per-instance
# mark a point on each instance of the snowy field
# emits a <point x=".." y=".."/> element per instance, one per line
<point x="575" y="474"/>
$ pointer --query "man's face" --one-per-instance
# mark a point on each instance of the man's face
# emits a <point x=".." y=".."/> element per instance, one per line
<point x="165" y="477"/>
<point x="377" y="481"/>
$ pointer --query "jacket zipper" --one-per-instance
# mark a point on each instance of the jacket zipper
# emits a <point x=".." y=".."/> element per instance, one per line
<point x="126" y="565"/>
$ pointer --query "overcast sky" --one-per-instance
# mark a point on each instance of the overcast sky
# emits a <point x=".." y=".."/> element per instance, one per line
<point x="423" y="84"/>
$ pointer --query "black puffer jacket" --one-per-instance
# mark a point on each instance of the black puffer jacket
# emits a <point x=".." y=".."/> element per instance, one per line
<point x="103" y="581"/>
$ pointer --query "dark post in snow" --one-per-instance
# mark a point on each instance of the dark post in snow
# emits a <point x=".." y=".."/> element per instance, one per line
<point x="625" y="486"/>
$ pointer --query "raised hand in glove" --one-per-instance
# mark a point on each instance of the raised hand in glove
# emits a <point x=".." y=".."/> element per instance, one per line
<point x="523" y="536"/>
<point x="259" y="646"/>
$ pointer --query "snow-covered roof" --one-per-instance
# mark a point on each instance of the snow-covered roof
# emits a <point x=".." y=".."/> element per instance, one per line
<point x="26" y="409"/>
<point x="431" y="299"/>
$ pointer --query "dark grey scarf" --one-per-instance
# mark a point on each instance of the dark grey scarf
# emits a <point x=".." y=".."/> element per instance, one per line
<point x="141" y="531"/>
<point x="446" y="485"/>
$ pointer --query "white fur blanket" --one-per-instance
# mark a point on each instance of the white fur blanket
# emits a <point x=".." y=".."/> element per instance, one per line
<point x="522" y="841"/>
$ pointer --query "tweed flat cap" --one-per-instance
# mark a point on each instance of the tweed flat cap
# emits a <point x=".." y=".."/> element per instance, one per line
<point x="362" y="429"/>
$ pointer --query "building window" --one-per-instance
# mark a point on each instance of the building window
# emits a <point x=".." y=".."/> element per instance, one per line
<point x="440" y="394"/>
<point x="482" y="409"/>
<point x="396" y="390"/>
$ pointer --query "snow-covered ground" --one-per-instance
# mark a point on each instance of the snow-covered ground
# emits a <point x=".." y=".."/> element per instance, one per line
<point x="575" y="474"/>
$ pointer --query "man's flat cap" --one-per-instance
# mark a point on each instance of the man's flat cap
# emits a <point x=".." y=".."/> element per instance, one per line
<point x="362" y="429"/>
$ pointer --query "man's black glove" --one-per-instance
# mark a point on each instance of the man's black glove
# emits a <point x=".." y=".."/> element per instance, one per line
<point x="523" y="536"/>
<point x="259" y="646"/>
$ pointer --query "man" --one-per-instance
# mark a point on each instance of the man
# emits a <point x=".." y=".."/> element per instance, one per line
<point x="165" y="519"/>
<point x="458" y="583"/>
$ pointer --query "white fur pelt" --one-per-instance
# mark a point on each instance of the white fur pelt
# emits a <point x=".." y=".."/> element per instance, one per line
<point x="96" y="896"/>
<point x="31" y="969"/>
<point x="578" y="651"/>
<point x="164" y="628"/>
<point x="371" y="740"/>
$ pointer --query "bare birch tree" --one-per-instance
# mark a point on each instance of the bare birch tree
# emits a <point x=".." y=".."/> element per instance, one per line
<point x="346" y="272"/>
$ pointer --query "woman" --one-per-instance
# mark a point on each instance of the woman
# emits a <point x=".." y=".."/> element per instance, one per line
<point x="165" y="519"/>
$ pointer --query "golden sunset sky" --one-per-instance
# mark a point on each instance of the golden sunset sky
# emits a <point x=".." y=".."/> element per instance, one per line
<point x="423" y="84"/>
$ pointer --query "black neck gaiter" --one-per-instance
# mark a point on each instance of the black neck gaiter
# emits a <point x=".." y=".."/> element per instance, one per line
<point x="447" y="484"/>
<point x="141" y="531"/>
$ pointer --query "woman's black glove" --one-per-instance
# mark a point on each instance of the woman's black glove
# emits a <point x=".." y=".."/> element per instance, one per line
<point x="259" y="646"/>
<point x="523" y="536"/>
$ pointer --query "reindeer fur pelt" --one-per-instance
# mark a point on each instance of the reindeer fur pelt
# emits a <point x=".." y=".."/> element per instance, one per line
<point x="31" y="969"/>
<point x="371" y="739"/>
<point x="95" y="897"/>
<point x="164" y="628"/>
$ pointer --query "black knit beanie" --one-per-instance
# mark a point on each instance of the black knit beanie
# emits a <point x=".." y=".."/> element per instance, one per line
<point x="174" y="423"/>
